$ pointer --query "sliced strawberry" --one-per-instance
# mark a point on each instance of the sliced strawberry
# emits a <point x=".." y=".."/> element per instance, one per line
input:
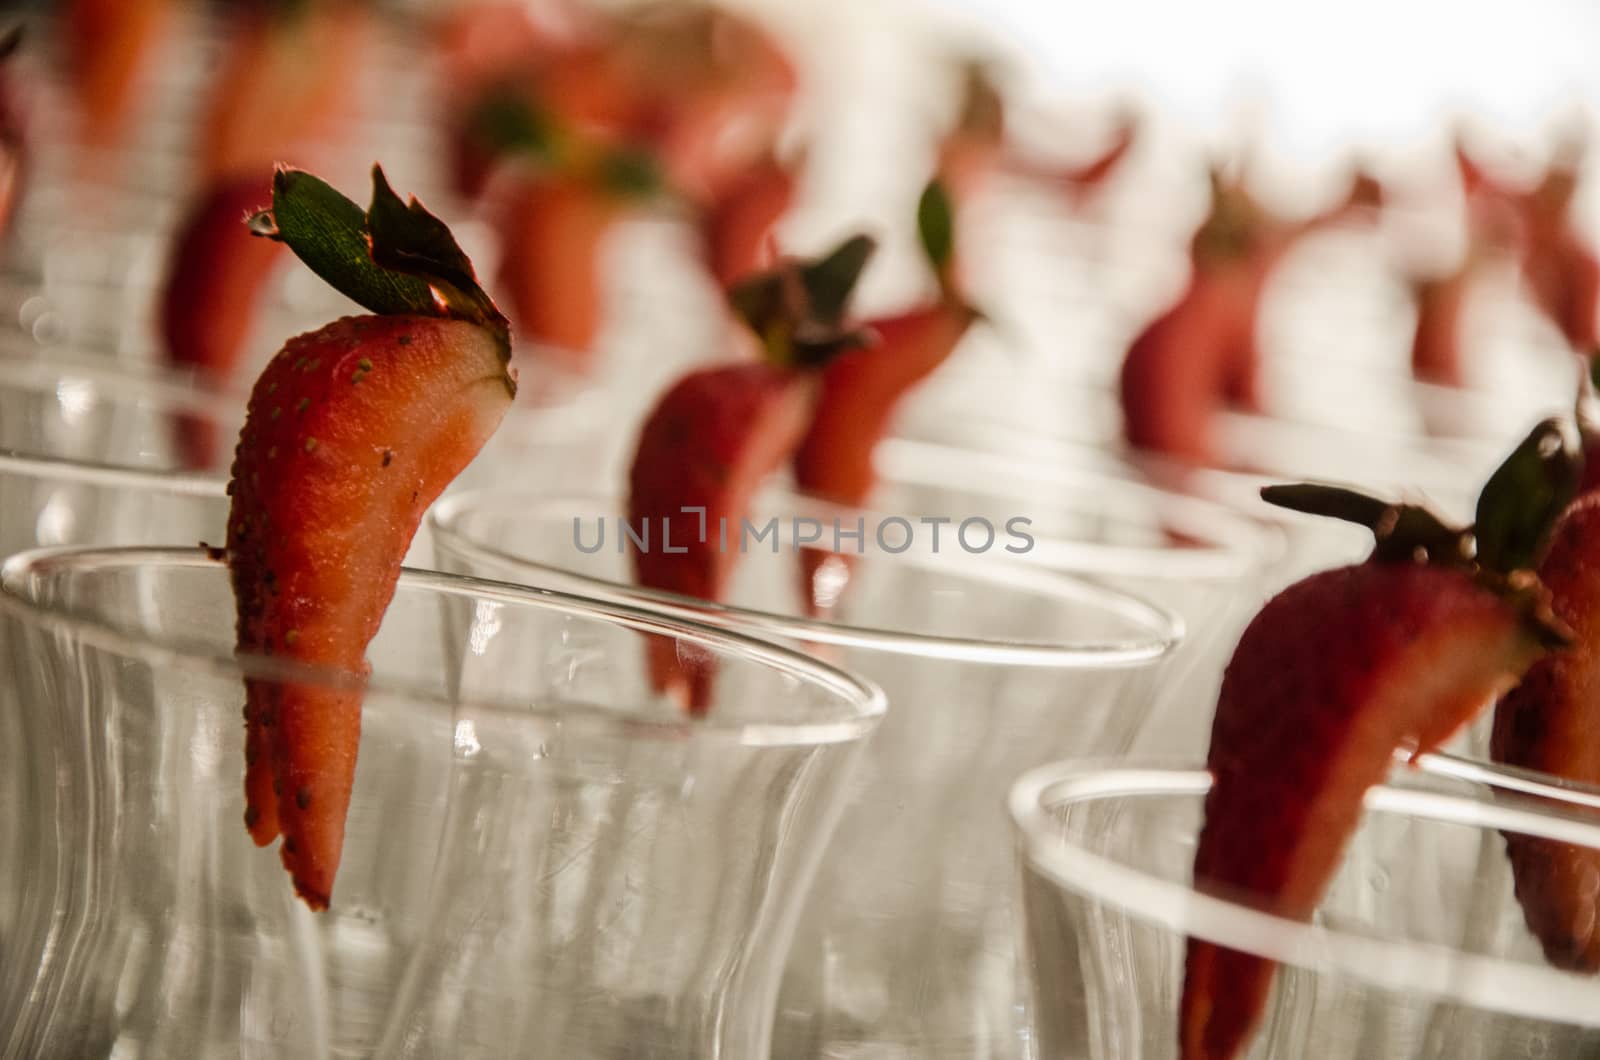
<point x="1175" y="375"/>
<point x="1334" y="675"/>
<point x="1565" y="278"/>
<point x="350" y="434"/>
<point x="555" y="231"/>
<point x="215" y="263"/>
<point x="13" y="130"/>
<point x="739" y="223"/>
<point x="1549" y="723"/>
<point x="1200" y="355"/>
<point x="710" y="443"/>
<point x="719" y="433"/>
<point x="1436" y="339"/>
<point x="287" y="85"/>
<point x="108" y="45"/>
<point x="862" y="388"/>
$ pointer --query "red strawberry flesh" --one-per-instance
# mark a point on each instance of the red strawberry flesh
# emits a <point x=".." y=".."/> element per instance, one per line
<point x="711" y="442"/>
<point x="216" y="263"/>
<point x="1549" y="723"/>
<point x="351" y="432"/>
<point x="1330" y="678"/>
<point x="860" y="391"/>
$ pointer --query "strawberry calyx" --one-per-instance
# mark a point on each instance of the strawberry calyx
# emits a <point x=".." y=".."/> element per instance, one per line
<point x="10" y="42"/>
<point x="983" y="111"/>
<point x="1233" y="227"/>
<point x="798" y="307"/>
<point x="507" y="124"/>
<point x="510" y="126"/>
<point x="394" y="258"/>
<point x="936" y="233"/>
<point x="1516" y="511"/>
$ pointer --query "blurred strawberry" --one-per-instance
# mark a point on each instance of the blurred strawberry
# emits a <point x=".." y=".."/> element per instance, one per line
<point x="738" y="226"/>
<point x="108" y="45"/>
<point x="720" y="432"/>
<point x="13" y="130"/>
<point x="861" y="389"/>
<point x="555" y="227"/>
<point x="287" y="84"/>
<point x="211" y="296"/>
<point x="1200" y="355"/>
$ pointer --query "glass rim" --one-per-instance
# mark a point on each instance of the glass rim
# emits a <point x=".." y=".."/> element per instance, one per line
<point x="861" y="703"/>
<point x="178" y="393"/>
<point x="1232" y="544"/>
<point x="1398" y="965"/>
<point x="174" y="393"/>
<point x="1165" y="627"/>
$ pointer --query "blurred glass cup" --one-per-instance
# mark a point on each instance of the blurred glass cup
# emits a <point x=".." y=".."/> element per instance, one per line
<point x="543" y="858"/>
<point x="906" y="944"/>
<point x="1419" y="949"/>
<point x="93" y="453"/>
<point x="1203" y="561"/>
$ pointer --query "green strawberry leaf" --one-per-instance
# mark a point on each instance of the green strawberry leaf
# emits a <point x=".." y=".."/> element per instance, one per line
<point x="630" y="173"/>
<point x="405" y="238"/>
<point x="797" y="308"/>
<point x="506" y="123"/>
<point x="830" y="281"/>
<point x="329" y="233"/>
<point x="394" y="258"/>
<point x="936" y="225"/>
<point x="1520" y="502"/>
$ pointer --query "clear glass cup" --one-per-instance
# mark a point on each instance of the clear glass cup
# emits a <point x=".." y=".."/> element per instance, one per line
<point x="1418" y="952"/>
<point x="905" y="948"/>
<point x="543" y="858"/>
<point x="90" y="454"/>
<point x="1206" y="563"/>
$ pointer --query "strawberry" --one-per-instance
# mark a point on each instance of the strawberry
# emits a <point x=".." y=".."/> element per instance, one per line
<point x="861" y="389"/>
<point x="13" y="130"/>
<point x="975" y="145"/>
<point x="976" y="148"/>
<point x="737" y="226"/>
<point x="215" y="263"/>
<point x="492" y="56"/>
<point x="713" y="89"/>
<point x="1200" y="355"/>
<point x="1547" y="723"/>
<point x="287" y="83"/>
<point x="720" y="432"/>
<point x="108" y="45"/>
<point x="562" y="197"/>
<point x="350" y="434"/>
<point x="555" y="228"/>
<point x="1337" y="672"/>
<point x="1559" y="263"/>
